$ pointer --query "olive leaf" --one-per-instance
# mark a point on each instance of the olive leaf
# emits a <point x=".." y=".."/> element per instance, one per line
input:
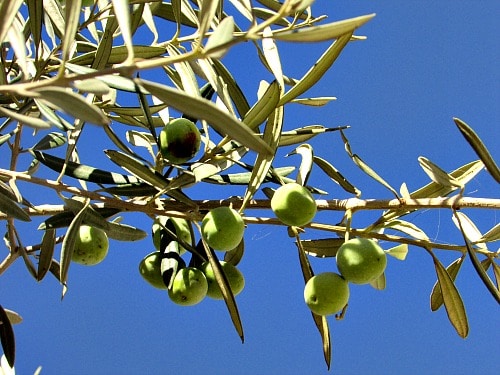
<point x="31" y="121"/>
<point x="50" y="141"/>
<point x="437" y="175"/>
<point x="317" y="70"/>
<point x="11" y="208"/>
<point x="322" y="248"/>
<point x="336" y="176"/>
<point x="436" y="294"/>
<point x="7" y="337"/>
<point x="320" y="321"/>
<point x="477" y="264"/>
<point x="320" y="33"/>
<point x="479" y="147"/>
<point x="205" y="110"/>
<point x="365" y="168"/>
<point x="453" y="303"/>
<point x="46" y="253"/>
<point x="399" y="252"/>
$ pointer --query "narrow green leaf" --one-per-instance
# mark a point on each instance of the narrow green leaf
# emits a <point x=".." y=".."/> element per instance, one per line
<point x="72" y="17"/>
<point x="8" y="12"/>
<point x="92" y="85"/>
<point x="379" y="283"/>
<point x="436" y="174"/>
<point x="227" y="294"/>
<point x="263" y="162"/>
<point x="322" y="248"/>
<point x="432" y="190"/>
<point x="436" y="295"/>
<point x="208" y="9"/>
<point x="219" y="42"/>
<point x="399" y="252"/>
<point x="30" y="121"/>
<point x="477" y="264"/>
<point x="46" y="253"/>
<point x="453" y="303"/>
<point x="479" y="147"/>
<point x="68" y="245"/>
<point x="263" y="108"/>
<point x="365" y="167"/>
<point x="124" y="232"/>
<point x="303" y="134"/>
<point x="71" y="103"/>
<point x="306" y="151"/>
<point x="469" y="228"/>
<point x="320" y="321"/>
<point x="171" y="262"/>
<point x="235" y="92"/>
<point x="492" y="235"/>
<point x="336" y="176"/>
<point x="243" y="178"/>
<point x="49" y="141"/>
<point x="13" y="316"/>
<point x="235" y="255"/>
<point x="317" y="71"/>
<point x="83" y="172"/>
<point x="271" y="54"/>
<point x="315" y="102"/>
<point x="407" y="228"/>
<point x="121" y="8"/>
<point x="11" y="208"/>
<point x="208" y="111"/>
<point x="496" y="272"/>
<point x="320" y="33"/>
<point x="52" y="117"/>
<point x="7" y="338"/>
<point x="117" y="55"/>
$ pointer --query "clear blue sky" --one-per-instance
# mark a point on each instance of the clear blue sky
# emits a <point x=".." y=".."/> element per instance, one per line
<point x="423" y="63"/>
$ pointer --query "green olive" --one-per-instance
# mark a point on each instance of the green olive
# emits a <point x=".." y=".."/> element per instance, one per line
<point x="179" y="141"/>
<point x="293" y="204"/>
<point x="222" y="228"/>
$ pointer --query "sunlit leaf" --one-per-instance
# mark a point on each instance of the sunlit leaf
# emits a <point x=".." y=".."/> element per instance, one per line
<point x="328" y="31"/>
<point x="451" y="298"/>
<point x="122" y="13"/>
<point x="92" y="85"/>
<point x="266" y="104"/>
<point x="479" y="147"/>
<point x="8" y="12"/>
<point x="436" y="174"/>
<point x="317" y="70"/>
<point x="83" y="172"/>
<point x="322" y="248"/>
<point x="31" y="121"/>
<point x="306" y="151"/>
<point x="71" y="103"/>
<point x="13" y="316"/>
<point x="72" y="17"/>
<point x="263" y="162"/>
<point x="469" y="228"/>
<point x="50" y="141"/>
<point x="406" y="227"/>
<point x="477" y="264"/>
<point x="379" y="283"/>
<point x="492" y="235"/>
<point x="336" y="176"/>
<point x="218" y="43"/>
<point x="315" y="102"/>
<point x="272" y="56"/>
<point x="399" y="252"/>
<point x="436" y="295"/>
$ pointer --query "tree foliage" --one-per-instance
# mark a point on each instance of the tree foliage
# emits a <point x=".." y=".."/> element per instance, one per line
<point x="67" y="71"/>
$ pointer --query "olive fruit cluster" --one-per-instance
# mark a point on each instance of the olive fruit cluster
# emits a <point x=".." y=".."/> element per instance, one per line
<point x="359" y="261"/>
<point x="222" y="229"/>
<point x="91" y="246"/>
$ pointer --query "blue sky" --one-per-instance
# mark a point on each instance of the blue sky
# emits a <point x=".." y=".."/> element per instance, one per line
<point x="423" y="63"/>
